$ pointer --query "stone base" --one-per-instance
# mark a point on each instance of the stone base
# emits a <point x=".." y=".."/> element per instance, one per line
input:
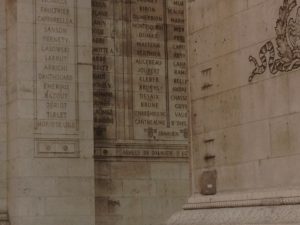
<point x="4" y="218"/>
<point x="265" y="207"/>
<point x="4" y="222"/>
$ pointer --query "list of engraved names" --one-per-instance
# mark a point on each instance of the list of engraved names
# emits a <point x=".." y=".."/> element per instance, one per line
<point x="158" y="70"/>
<point x="56" y="73"/>
<point x="104" y="72"/>
<point x="140" y="79"/>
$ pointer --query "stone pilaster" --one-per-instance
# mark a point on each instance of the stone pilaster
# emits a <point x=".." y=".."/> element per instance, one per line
<point x="50" y="135"/>
<point x="3" y="123"/>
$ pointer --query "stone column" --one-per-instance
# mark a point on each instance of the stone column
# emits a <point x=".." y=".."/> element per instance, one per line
<point x="50" y="125"/>
<point x="3" y="124"/>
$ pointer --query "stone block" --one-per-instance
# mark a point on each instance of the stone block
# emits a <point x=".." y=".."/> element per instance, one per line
<point x="139" y="170"/>
<point x="102" y="169"/>
<point x="279" y="172"/>
<point x="166" y="170"/>
<point x="172" y="188"/>
<point x="152" y="206"/>
<point x="280" y="136"/>
<point x="239" y="177"/>
<point x="293" y="131"/>
<point x="293" y="84"/>
<point x="126" y="206"/>
<point x="138" y="188"/>
<point x="108" y="187"/>
<point x="80" y="206"/>
<point x="109" y="220"/>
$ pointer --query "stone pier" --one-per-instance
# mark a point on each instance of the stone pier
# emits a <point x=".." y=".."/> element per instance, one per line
<point x="244" y="100"/>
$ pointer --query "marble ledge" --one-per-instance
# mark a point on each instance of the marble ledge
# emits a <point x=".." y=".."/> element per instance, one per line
<point x="254" y="198"/>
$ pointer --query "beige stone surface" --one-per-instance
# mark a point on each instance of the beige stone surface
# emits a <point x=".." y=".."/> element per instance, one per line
<point x="140" y="110"/>
<point x="50" y="136"/>
<point x="244" y="129"/>
<point x="264" y="206"/>
<point x="139" y="192"/>
<point x="250" y="128"/>
<point x="68" y="66"/>
<point x="281" y="215"/>
<point x="3" y="120"/>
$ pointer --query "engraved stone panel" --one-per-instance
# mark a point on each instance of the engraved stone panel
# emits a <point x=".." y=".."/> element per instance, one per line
<point x="104" y="71"/>
<point x="140" y="79"/>
<point x="56" y="81"/>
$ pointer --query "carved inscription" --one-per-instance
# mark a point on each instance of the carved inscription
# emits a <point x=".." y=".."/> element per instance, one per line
<point x="56" y="76"/>
<point x="56" y="83"/>
<point x="104" y="53"/>
<point x="140" y="78"/>
<point x="141" y="152"/>
<point x="177" y="74"/>
<point x="158" y="70"/>
<point x="148" y="69"/>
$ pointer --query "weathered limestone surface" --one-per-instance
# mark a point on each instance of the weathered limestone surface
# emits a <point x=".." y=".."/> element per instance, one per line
<point x="50" y="118"/>
<point x="250" y="128"/>
<point x="254" y="215"/>
<point x="140" y="110"/>
<point x="244" y="125"/>
<point x="135" y="193"/>
<point x="3" y="121"/>
<point x="78" y="72"/>
<point x="140" y="79"/>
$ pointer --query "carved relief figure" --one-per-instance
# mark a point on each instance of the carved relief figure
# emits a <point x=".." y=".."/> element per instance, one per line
<point x="287" y="41"/>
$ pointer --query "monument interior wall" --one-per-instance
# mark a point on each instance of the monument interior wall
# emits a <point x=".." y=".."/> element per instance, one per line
<point x="49" y="112"/>
<point x="244" y="81"/>
<point x="3" y="121"/>
<point x="135" y="193"/>
<point x="140" y="110"/>
<point x="93" y="111"/>
<point x="245" y="125"/>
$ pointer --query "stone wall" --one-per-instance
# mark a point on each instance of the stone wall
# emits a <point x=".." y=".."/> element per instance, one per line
<point x="50" y="118"/>
<point x="53" y="57"/>
<point x="246" y="128"/>
<point x="135" y="193"/>
<point x="3" y="124"/>
<point x="244" y="87"/>
<point x="140" y="110"/>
